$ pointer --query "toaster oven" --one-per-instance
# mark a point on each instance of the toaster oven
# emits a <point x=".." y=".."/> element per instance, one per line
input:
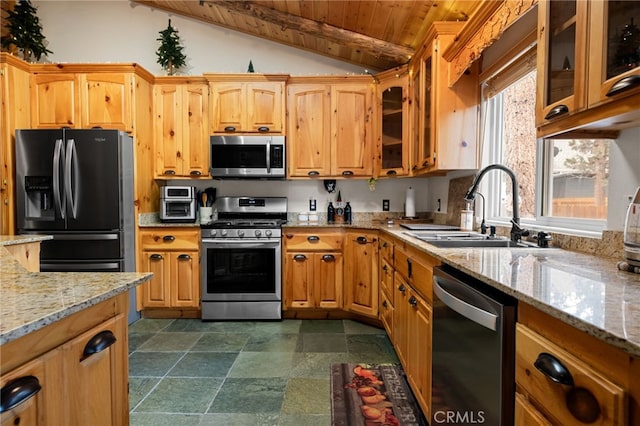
<point x="178" y="204"/>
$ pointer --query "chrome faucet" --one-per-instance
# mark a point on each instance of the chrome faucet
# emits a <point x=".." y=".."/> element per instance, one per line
<point x="517" y="232"/>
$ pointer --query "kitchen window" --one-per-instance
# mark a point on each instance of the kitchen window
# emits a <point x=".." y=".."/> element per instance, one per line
<point x="562" y="181"/>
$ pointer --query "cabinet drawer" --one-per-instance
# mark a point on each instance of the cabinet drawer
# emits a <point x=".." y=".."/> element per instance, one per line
<point x="417" y="270"/>
<point x="170" y="239"/>
<point x="386" y="249"/>
<point x="386" y="279"/>
<point x="316" y="241"/>
<point x="592" y="399"/>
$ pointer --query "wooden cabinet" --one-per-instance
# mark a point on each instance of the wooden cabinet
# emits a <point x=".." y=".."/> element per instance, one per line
<point x="361" y="272"/>
<point x="81" y="99"/>
<point x="77" y="367"/>
<point x="588" y="66"/>
<point x="418" y="348"/>
<point x="247" y="103"/>
<point x="330" y="130"/>
<point x="313" y="270"/>
<point x="28" y="254"/>
<point x="172" y="254"/>
<point x="565" y="376"/>
<point x="181" y="128"/>
<point x="393" y="127"/>
<point x="386" y="288"/>
<point x="444" y="119"/>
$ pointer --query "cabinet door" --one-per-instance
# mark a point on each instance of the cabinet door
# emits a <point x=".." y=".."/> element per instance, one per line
<point x="264" y="107"/>
<point x="400" y="311"/>
<point x="361" y="273"/>
<point x="308" y="136"/>
<point x="185" y="279"/>
<point x="94" y="363"/>
<point x="298" y="280"/>
<point x="561" y="61"/>
<point x="156" y="292"/>
<point x="387" y="316"/>
<point x="55" y="101"/>
<point x="168" y="130"/>
<point x="227" y="104"/>
<point x="327" y="280"/>
<point x="526" y="415"/>
<point x="194" y="113"/>
<point x="351" y="130"/>
<point x="107" y="100"/>
<point x="418" y="361"/>
<point x="394" y="130"/>
<point x="614" y="67"/>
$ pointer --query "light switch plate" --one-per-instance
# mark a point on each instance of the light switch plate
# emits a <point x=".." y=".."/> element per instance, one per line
<point x="385" y="205"/>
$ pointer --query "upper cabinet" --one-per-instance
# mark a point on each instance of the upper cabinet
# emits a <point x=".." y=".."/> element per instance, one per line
<point x="82" y="100"/>
<point x="444" y="119"/>
<point x="242" y="103"/>
<point x="588" y="65"/>
<point x="181" y="127"/>
<point x="393" y="126"/>
<point x="330" y="130"/>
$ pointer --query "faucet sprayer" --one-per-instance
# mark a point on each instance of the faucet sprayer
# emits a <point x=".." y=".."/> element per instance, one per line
<point x="517" y="232"/>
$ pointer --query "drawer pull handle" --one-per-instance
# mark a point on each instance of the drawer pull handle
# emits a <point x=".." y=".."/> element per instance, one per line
<point x="385" y="268"/>
<point x="551" y="367"/>
<point x="409" y="268"/>
<point x="362" y="240"/>
<point x="168" y="238"/>
<point x="229" y="129"/>
<point x="556" y="112"/>
<point x="392" y="173"/>
<point x="347" y="173"/>
<point x="402" y="288"/>
<point x="184" y="257"/>
<point x="313" y="238"/>
<point x="263" y="129"/>
<point x="99" y="343"/>
<point x="313" y="173"/>
<point x="624" y="84"/>
<point x="18" y="391"/>
<point x="155" y="257"/>
<point x="328" y="258"/>
<point x="299" y="257"/>
<point x="413" y="301"/>
<point x="169" y="172"/>
<point x="195" y="173"/>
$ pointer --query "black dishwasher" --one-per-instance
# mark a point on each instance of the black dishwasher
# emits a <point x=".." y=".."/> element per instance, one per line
<point x="473" y="378"/>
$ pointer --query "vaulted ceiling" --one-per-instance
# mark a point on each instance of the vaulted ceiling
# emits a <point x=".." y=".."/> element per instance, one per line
<point x="375" y="34"/>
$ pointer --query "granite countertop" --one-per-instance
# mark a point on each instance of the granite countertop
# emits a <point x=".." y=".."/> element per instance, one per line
<point x="8" y="240"/>
<point x="32" y="300"/>
<point x="585" y="291"/>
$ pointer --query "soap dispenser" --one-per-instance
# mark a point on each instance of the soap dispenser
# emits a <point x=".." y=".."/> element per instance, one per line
<point x="466" y="218"/>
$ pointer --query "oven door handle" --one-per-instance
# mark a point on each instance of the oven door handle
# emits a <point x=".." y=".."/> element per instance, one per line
<point x="465" y="308"/>
<point x="238" y="243"/>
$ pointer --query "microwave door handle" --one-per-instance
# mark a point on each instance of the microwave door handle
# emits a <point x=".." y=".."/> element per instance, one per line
<point x="269" y="155"/>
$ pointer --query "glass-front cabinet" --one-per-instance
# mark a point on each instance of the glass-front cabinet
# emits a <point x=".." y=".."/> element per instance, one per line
<point x="394" y="126"/>
<point x="615" y="39"/>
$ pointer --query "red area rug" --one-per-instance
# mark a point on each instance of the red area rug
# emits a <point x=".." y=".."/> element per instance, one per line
<point x="372" y="395"/>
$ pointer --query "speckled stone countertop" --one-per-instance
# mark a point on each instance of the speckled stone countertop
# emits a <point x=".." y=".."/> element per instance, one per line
<point x="32" y="300"/>
<point x="8" y="240"/>
<point x="585" y="291"/>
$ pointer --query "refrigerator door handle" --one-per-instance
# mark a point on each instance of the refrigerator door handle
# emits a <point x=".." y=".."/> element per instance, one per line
<point x="58" y="195"/>
<point x="71" y="172"/>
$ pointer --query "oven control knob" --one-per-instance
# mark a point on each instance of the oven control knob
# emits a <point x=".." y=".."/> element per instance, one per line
<point x="223" y="232"/>
<point x="258" y="232"/>
<point x="240" y="233"/>
<point x="268" y="232"/>
<point x="213" y="232"/>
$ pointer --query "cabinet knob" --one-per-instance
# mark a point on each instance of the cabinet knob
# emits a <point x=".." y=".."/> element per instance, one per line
<point x="168" y="238"/>
<point x="384" y="245"/>
<point x="230" y="129"/>
<point x="402" y="288"/>
<point x="99" y="343"/>
<point x="18" y="391"/>
<point x="413" y="301"/>
<point x="362" y="240"/>
<point x="385" y="268"/>
<point x="385" y="304"/>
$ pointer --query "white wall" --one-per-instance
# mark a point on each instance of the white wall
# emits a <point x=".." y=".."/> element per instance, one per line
<point x="119" y="31"/>
<point x="624" y="176"/>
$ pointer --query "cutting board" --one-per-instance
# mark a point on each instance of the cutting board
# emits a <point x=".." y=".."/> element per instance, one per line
<point x="428" y="227"/>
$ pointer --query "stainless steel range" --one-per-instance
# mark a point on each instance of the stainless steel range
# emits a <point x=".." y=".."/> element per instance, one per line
<point x="242" y="259"/>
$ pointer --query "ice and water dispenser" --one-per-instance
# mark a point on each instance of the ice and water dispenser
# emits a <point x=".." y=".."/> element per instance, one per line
<point x="39" y="200"/>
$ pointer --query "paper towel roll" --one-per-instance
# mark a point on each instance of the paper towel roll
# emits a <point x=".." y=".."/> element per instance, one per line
<point x="410" y="203"/>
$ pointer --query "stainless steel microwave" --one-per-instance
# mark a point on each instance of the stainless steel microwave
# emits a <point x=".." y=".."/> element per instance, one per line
<point x="249" y="156"/>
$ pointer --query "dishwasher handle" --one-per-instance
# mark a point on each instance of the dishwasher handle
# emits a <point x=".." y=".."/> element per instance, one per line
<point x="466" y="308"/>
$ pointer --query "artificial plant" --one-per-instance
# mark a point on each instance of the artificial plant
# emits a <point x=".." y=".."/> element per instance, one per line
<point x="25" y="31"/>
<point x="170" y="56"/>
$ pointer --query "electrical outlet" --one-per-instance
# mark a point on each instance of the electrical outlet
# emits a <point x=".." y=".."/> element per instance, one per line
<point x="312" y="205"/>
<point x="439" y="204"/>
<point x="385" y="205"/>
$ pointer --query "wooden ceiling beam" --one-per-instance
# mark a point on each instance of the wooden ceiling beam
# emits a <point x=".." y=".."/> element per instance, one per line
<point x="287" y="22"/>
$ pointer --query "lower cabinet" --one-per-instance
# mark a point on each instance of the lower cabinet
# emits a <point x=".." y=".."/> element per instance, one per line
<point x="172" y="254"/>
<point x="62" y="375"/>
<point x="361" y="273"/>
<point x="313" y="270"/>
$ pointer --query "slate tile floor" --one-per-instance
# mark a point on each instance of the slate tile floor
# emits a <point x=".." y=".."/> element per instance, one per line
<point x="189" y="372"/>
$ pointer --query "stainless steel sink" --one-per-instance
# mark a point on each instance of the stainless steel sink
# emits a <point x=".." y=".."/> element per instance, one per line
<point x="462" y="239"/>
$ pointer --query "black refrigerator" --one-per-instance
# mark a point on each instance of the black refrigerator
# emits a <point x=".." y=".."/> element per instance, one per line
<point x="77" y="185"/>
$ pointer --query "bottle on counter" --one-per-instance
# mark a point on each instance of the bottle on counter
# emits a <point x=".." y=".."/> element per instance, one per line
<point x="347" y="213"/>
<point x="331" y="213"/>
